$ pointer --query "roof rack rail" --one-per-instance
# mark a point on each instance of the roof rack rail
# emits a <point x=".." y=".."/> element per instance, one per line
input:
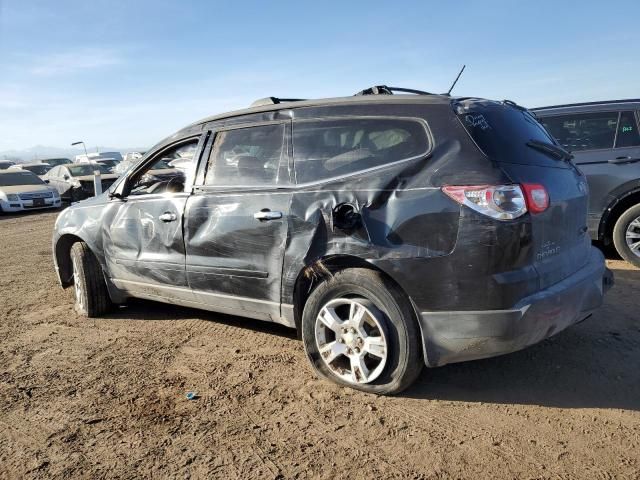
<point x="581" y="104"/>
<point x="274" y="100"/>
<point x="384" y="90"/>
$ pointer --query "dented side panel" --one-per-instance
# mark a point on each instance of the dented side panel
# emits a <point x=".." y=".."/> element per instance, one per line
<point x="406" y="226"/>
<point x="140" y="247"/>
<point x="84" y="222"/>
<point x="230" y="253"/>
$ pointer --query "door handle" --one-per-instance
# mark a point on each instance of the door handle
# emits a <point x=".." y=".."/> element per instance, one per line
<point x="168" y="217"/>
<point x="267" y="215"/>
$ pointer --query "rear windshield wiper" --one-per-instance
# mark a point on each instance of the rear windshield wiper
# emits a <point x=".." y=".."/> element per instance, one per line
<point x="553" y="150"/>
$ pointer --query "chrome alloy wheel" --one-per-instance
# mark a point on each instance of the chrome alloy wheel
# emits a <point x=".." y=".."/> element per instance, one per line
<point x="351" y="340"/>
<point x="632" y="236"/>
<point x="76" y="286"/>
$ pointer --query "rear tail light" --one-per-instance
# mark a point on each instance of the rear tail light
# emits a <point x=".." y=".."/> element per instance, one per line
<point x="502" y="202"/>
<point x="537" y="197"/>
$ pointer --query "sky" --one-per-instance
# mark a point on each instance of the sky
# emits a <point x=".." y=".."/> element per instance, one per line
<point x="129" y="73"/>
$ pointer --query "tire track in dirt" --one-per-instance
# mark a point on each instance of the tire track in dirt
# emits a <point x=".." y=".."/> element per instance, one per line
<point x="466" y="425"/>
<point x="458" y="429"/>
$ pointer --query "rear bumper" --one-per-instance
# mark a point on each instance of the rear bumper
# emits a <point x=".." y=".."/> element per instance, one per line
<point x="593" y="225"/>
<point x="458" y="336"/>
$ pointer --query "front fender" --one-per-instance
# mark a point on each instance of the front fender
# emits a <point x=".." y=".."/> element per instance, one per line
<point x="78" y="223"/>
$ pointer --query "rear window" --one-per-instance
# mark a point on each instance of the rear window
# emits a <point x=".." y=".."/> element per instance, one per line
<point x="583" y="131"/>
<point x="330" y="148"/>
<point x="502" y="132"/>
<point x="106" y="156"/>
<point x="19" y="178"/>
<point x="56" y="161"/>
<point x="37" y="169"/>
<point x="86" y="169"/>
<point x="109" y="163"/>
<point x="627" y="131"/>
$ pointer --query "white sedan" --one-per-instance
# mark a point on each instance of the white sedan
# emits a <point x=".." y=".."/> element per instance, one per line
<point x="23" y="190"/>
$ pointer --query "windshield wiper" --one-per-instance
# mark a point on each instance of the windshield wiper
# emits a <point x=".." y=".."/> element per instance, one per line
<point x="553" y="150"/>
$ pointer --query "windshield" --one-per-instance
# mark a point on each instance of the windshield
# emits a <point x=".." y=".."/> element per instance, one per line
<point x="54" y="162"/>
<point x="19" y="178"/>
<point x="86" y="169"/>
<point x="37" y="169"/>
<point x="505" y="132"/>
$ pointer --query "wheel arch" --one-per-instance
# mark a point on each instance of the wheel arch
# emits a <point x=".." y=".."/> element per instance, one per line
<point x="613" y="212"/>
<point x="315" y="273"/>
<point x="62" y="253"/>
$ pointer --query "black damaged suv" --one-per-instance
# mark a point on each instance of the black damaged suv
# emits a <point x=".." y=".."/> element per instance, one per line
<point x="391" y="230"/>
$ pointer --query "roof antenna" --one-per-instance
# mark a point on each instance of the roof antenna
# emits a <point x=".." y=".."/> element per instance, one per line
<point x="456" y="80"/>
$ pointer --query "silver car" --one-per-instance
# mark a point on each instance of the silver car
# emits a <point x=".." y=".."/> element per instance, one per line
<point x="23" y="190"/>
<point x="75" y="182"/>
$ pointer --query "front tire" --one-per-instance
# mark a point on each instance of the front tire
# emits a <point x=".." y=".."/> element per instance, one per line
<point x="359" y="330"/>
<point x="626" y="235"/>
<point x="91" y="295"/>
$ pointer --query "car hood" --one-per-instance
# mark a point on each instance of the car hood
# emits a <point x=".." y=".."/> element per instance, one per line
<point x="26" y="188"/>
<point x="89" y="178"/>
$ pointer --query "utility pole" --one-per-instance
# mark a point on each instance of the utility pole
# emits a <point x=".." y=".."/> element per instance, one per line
<point x="78" y="143"/>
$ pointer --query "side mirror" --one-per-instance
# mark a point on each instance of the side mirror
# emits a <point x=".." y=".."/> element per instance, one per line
<point x="46" y="181"/>
<point x="66" y="177"/>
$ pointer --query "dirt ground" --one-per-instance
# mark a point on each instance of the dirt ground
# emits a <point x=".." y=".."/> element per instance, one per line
<point x="106" y="398"/>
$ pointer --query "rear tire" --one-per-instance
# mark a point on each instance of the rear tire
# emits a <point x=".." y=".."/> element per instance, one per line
<point x="386" y="346"/>
<point x="91" y="295"/>
<point x="626" y="234"/>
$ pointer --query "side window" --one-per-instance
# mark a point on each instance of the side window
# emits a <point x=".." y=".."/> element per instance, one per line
<point x="329" y="148"/>
<point x="586" y="131"/>
<point x="247" y="156"/>
<point x="168" y="172"/>
<point x="627" y="131"/>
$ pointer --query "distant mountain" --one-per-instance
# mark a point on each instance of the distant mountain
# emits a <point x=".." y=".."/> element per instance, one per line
<point x="40" y="152"/>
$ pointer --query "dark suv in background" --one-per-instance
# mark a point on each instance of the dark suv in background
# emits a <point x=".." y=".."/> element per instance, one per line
<point x="605" y="141"/>
<point x="392" y="231"/>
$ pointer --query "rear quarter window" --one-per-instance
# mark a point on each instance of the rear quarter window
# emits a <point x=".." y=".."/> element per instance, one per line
<point x="627" y="135"/>
<point x="330" y="148"/>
